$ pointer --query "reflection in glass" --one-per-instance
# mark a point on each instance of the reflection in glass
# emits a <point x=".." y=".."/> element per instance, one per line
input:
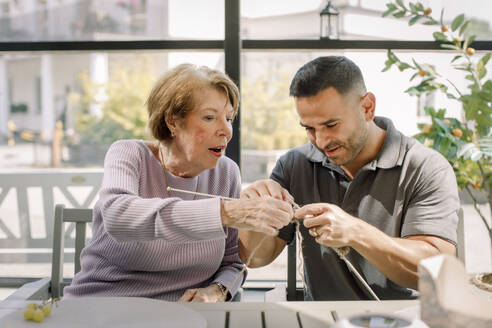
<point x="73" y="20"/>
<point x="64" y="110"/>
<point x="359" y="19"/>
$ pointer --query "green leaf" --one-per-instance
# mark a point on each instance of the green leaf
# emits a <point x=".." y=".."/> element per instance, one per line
<point x="401" y="4"/>
<point x="457" y="22"/>
<point x="387" y="67"/>
<point x="445" y="144"/>
<point x="439" y="36"/>
<point x="468" y="41"/>
<point x="463" y="28"/>
<point x="391" y="55"/>
<point x="414" y="76"/>
<point x="431" y="70"/>
<point x="429" y="111"/>
<point x="403" y="66"/>
<point x="442" y="15"/>
<point x="485" y="144"/>
<point x="470" y="151"/>
<point x="437" y="143"/>
<point x="412" y="91"/>
<point x="456" y="57"/>
<point x="413" y="7"/>
<point x="441" y="113"/>
<point x="481" y="70"/>
<point x="414" y="20"/>
<point x="419" y="6"/>
<point x="391" y="6"/>
<point x="399" y="14"/>
<point x="430" y="22"/>
<point x="485" y="59"/>
<point x="443" y="125"/>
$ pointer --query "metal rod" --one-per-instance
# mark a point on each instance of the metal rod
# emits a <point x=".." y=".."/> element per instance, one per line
<point x="198" y="193"/>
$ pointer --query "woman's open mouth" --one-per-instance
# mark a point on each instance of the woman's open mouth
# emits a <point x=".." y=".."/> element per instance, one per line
<point x="216" y="151"/>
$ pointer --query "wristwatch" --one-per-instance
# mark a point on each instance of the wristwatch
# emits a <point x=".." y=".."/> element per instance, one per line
<point x="223" y="289"/>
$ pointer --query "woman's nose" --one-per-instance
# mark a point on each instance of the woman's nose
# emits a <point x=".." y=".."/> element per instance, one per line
<point x="225" y="130"/>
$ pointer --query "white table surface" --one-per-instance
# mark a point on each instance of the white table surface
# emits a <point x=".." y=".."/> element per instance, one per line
<point x="251" y="315"/>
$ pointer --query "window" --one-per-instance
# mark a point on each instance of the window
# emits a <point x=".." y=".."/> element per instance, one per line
<point x="269" y="124"/>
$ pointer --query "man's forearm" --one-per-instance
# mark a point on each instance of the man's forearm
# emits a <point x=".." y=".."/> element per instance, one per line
<point x="397" y="258"/>
<point x="265" y="253"/>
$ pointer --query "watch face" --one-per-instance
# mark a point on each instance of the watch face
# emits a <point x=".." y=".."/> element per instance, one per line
<point x="379" y="321"/>
<point x="222" y="287"/>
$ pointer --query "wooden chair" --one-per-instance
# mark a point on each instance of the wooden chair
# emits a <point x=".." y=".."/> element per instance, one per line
<point x="80" y="216"/>
<point x="53" y="287"/>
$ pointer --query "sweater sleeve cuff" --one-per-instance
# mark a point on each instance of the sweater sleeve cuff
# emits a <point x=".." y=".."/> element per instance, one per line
<point x="227" y="277"/>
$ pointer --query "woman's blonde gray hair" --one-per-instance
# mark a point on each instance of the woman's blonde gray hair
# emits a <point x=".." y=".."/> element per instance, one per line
<point x="173" y="96"/>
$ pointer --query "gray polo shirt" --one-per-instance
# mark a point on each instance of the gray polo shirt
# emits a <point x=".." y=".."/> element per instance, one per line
<point x="408" y="189"/>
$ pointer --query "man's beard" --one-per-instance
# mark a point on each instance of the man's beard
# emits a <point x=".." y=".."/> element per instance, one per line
<point x="352" y="147"/>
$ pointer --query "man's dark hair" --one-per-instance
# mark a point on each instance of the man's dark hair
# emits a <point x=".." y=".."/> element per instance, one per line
<point x="323" y="72"/>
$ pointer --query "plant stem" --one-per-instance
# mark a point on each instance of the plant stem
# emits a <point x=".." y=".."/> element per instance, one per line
<point x="473" y="70"/>
<point x="455" y="87"/>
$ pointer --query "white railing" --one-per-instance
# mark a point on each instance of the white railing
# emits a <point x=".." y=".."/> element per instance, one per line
<point x="27" y="201"/>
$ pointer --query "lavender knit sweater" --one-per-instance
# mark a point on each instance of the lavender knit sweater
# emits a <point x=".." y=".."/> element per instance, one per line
<point x="148" y="244"/>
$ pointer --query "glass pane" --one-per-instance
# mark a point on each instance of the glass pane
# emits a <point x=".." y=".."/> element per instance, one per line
<point x="68" y="20"/>
<point x="358" y="19"/>
<point x="270" y="125"/>
<point x="60" y="112"/>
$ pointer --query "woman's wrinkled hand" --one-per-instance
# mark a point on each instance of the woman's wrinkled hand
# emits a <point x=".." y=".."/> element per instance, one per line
<point x="267" y="187"/>
<point x="263" y="214"/>
<point x="210" y="294"/>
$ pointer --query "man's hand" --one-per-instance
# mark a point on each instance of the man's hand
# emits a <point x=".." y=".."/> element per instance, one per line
<point x="210" y="294"/>
<point x="265" y="214"/>
<point x="396" y="258"/>
<point x="329" y="224"/>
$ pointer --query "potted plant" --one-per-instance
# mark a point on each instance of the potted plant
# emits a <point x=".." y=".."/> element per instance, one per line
<point x="465" y="142"/>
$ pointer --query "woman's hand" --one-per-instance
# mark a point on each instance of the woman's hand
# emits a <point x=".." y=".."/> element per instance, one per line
<point x="267" y="187"/>
<point x="263" y="214"/>
<point x="210" y="294"/>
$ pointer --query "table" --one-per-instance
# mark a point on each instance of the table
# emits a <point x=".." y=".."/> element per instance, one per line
<point x="291" y="314"/>
<point x="268" y="315"/>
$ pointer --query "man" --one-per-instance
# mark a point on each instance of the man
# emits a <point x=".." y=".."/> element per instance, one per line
<point x="362" y="184"/>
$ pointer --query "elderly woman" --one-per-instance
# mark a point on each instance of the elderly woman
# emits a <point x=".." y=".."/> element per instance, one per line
<point x="151" y="242"/>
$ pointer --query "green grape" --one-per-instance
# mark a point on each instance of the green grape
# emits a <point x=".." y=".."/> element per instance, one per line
<point x="31" y="306"/>
<point x="29" y="314"/>
<point x="46" y="310"/>
<point x="38" y="316"/>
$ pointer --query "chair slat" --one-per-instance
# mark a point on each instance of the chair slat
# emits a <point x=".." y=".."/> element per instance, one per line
<point x="63" y="215"/>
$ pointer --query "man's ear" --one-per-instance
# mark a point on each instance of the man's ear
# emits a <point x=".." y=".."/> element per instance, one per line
<point x="368" y="104"/>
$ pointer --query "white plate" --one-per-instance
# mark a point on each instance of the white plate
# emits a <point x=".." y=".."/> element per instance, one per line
<point x="104" y="312"/>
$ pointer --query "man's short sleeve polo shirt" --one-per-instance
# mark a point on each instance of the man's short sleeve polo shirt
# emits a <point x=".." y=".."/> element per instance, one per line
<point x="408" y="189"/>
